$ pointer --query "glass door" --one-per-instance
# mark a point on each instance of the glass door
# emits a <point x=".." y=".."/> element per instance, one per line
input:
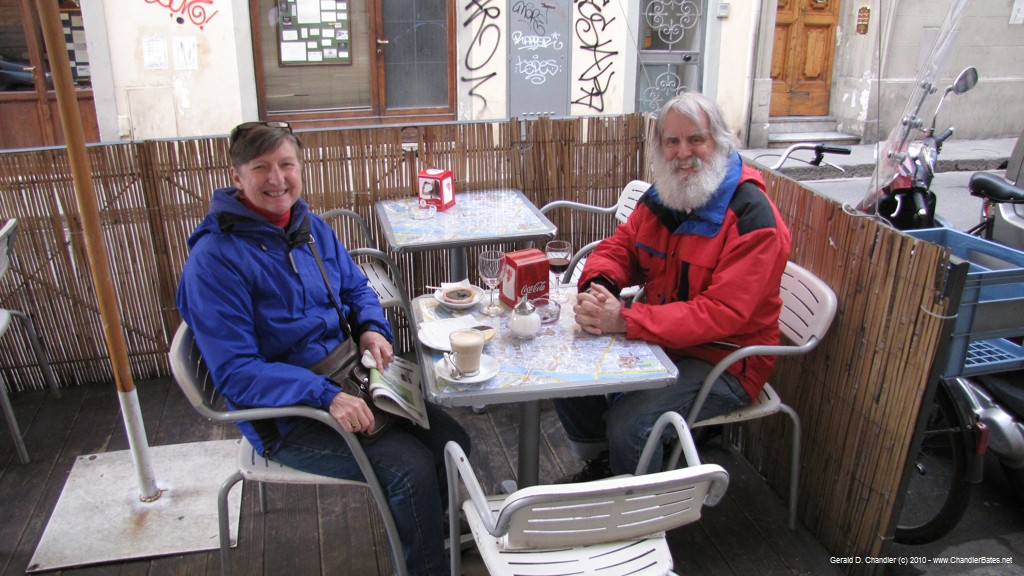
<point x="337" y="62"/>
<point x="27" y="100"/>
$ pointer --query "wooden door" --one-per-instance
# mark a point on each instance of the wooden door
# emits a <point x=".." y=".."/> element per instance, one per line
<point x="805" y="34"/>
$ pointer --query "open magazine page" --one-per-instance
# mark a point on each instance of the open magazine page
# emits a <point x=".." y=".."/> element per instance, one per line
<point x="398" y="391"/>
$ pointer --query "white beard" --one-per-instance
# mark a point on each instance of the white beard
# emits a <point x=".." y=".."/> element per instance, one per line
<point x="684" y="192"/>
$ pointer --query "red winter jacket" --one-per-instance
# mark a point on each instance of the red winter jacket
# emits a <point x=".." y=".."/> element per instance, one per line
<point x="711" y="278"/>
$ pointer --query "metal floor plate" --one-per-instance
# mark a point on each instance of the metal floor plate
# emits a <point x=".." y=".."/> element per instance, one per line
<point x="99" y="517"/>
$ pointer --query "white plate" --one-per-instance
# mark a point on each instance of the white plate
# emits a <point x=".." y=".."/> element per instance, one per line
<point x="478" y="296"/>
<point x="434" y="334"/>
<point x="488" y="369"/>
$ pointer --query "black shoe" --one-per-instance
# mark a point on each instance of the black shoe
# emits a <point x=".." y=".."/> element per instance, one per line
<point x="595" y="469"/>
<point x="705" y="434"/>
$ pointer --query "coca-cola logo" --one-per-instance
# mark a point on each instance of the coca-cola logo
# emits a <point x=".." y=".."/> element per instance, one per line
<point x="532" y="288"/>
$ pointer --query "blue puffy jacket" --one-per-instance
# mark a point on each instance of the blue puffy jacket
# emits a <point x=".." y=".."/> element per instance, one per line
<point x="255" y="299"/>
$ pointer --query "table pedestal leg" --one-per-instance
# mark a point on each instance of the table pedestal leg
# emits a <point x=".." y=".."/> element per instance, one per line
<point x="529" y="443"/>
<point x="458" y="268"/>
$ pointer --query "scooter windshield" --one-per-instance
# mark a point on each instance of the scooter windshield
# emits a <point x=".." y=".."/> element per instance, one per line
<point x="916" y="121"/>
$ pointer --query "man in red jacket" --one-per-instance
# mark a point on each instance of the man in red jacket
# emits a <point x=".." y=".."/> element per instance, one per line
<point x="709" y="247"/>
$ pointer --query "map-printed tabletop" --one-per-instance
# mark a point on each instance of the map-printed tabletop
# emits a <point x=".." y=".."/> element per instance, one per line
<point x="476" y="218"/>
<point x="561" y="361"/>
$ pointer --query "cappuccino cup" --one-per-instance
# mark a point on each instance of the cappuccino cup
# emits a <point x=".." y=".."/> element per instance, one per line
<point x="467" y="346"/>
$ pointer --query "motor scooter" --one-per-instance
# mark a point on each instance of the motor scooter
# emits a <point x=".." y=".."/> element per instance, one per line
<point x="968" y="414"/>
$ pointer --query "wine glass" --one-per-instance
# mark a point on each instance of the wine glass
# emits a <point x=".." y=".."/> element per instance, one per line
<point x="559" y="253"/>
<point x="492" y="265"/>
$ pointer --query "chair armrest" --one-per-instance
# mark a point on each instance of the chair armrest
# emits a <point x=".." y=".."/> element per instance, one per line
<point x="577" y="206"/>
<point x="689" y="449"/>
<point x="724" y="363"/>
<point x="457" y="466"/>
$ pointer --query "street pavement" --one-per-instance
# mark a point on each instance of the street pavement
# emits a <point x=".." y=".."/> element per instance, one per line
<point x="993" y="527"/>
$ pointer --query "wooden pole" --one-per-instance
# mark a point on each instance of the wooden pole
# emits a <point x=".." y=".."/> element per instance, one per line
<point x="60" y="68"/>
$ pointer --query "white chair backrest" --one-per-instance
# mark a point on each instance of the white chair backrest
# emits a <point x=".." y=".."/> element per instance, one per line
<point x="808" y="305"/>
<point x="559" y="515"/>
<point x="7" y="234"/>
<point x="190" y="372"/>
<point x="628" y="199"/>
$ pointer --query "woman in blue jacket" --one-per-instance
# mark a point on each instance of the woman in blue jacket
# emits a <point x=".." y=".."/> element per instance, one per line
<point x="256" y="300"/>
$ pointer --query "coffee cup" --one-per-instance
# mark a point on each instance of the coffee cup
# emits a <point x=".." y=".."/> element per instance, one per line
<point x="467" y="346"/>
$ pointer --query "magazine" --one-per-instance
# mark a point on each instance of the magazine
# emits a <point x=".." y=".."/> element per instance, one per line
<point x="398" y="391"/>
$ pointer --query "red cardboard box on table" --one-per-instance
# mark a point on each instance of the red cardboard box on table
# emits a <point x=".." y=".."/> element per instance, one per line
<point x="436" y="188"/>
<point x="526" y="274"/>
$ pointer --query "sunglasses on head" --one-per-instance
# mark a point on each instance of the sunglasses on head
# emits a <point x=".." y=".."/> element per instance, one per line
<point x="240" y="130"/>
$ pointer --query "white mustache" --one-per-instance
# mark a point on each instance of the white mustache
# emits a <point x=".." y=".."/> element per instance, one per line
<point x="692" y="163"/>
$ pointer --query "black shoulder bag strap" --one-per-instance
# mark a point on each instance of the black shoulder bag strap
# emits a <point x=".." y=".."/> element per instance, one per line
<point x="346" y="328"/>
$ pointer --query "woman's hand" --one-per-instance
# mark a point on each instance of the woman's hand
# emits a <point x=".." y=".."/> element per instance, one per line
<point x="351" y="412"/>
<point x="378" y="346"/>
<point x="598" y="311"/>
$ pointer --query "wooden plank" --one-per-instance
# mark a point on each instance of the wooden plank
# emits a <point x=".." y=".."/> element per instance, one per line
<point x="289" y="523"/>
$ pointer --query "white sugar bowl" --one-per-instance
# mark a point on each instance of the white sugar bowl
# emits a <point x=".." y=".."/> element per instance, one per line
<point x="525" y="321"/>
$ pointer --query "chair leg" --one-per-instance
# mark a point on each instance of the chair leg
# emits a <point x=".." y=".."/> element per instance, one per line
<point x="794" y="472"/>
<point x="224" y="522"/>
<point x="37" y="347"/>
<point x="12" y="424"/>
<point x="263" y="497"/>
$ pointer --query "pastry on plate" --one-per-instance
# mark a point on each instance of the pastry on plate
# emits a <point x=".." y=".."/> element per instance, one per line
<point x="458" y="295"/>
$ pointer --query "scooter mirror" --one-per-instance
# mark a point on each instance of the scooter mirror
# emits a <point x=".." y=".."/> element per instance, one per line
<point x="965" y="81"/>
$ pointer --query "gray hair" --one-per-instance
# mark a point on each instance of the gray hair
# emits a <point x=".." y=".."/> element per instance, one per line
<point x="254" y="139"/>
<point x="691" y="105"/>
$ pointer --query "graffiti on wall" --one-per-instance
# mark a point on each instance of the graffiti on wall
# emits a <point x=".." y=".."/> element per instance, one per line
<point x="479" y="62"/>
<point x="595" y="46"/>
<point x="197" y="11"/>
<point x="535" y="18"/>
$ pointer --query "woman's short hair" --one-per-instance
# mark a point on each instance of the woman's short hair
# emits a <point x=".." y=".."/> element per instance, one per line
<point x="253" y="139"/>
<point x="691" y="104"/>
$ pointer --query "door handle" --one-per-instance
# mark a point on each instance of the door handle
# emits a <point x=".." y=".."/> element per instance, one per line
<point x="381" y="42"/>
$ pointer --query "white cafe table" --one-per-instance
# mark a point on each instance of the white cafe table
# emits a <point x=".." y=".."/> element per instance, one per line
<point x="478" y="217"/>
<point x="562" y="361"/>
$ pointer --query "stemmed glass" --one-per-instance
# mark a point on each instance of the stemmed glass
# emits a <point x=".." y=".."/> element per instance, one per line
<point x="492" y="265"/>
<point x="559" y="253"/>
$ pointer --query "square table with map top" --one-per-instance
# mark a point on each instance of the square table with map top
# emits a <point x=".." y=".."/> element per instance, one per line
<point x="479" y="217"/>
<point x="560" y="362"/>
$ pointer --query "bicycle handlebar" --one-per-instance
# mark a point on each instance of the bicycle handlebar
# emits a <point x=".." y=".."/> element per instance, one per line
<point x="819" y="153"/>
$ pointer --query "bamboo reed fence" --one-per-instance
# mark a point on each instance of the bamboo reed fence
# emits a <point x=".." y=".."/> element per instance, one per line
<point x="858" y="394"/>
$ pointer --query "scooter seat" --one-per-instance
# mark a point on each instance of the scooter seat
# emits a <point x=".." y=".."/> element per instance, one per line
<point x="994" y="188"/>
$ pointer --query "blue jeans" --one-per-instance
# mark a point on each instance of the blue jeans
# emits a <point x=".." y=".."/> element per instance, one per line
<point x="409" y="463"/>
<point x="621" y="425"/>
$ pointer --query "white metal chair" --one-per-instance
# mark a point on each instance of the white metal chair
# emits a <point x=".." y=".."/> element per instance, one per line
<point x="612" y="526"/>
<point x="193" y="378"/>
<point x="381" y="270"/>
<point x="7" y="235"/>
<point x="808" y="307"/>
<point x="628" y="198"/>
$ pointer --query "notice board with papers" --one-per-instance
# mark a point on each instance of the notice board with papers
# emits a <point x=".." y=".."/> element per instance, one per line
<point x="313" y="32"/>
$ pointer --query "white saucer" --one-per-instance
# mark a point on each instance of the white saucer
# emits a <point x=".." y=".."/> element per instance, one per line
<point x="488" y="369"/>
<point x="478" y="295"/>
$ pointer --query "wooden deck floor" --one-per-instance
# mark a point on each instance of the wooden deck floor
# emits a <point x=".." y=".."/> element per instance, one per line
<point x="745" y="534"/>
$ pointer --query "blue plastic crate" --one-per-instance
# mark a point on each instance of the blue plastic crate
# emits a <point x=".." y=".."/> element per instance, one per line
<point x="991" y="307"/>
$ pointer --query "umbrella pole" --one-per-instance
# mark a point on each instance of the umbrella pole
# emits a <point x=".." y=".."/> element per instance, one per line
<point x="70" y="118"/>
